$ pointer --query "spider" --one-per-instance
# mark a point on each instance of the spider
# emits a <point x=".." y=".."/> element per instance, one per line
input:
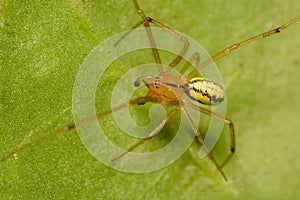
<point x="172" y="90"/>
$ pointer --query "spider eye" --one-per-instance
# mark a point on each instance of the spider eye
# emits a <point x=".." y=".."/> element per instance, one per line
<point x="205" y="91"/>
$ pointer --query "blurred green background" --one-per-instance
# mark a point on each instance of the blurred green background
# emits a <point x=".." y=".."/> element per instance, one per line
<point x="42" y="46"/>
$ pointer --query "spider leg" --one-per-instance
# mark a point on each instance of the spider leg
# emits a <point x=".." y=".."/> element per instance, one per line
<point x="229" y="49"/>
<point x="201" y="140"/>
<point x="151" y="134"/>
<point x="194" y="58"/>
<point x="166" y="28"/>
<point x="178" y="36"/>
<point x="149" y="34"/>
<point x="128" y="32"/>
<point x="137" y="101"/>
<point x="146" y="20"/>
<point x="224" y="120"/>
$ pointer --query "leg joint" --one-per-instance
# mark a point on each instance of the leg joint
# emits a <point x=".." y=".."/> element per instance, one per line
<point x="232" y="149"/>
<point x="149" y="19"/>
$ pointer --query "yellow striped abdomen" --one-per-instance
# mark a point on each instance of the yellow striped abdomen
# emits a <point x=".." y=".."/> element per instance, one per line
<point x="205" y="91"/>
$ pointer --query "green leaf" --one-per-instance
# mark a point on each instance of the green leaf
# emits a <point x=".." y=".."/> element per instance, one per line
<point x="42" y="47"/>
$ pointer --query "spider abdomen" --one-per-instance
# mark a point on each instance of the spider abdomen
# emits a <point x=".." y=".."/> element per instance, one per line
<point x="205" y="91"/>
